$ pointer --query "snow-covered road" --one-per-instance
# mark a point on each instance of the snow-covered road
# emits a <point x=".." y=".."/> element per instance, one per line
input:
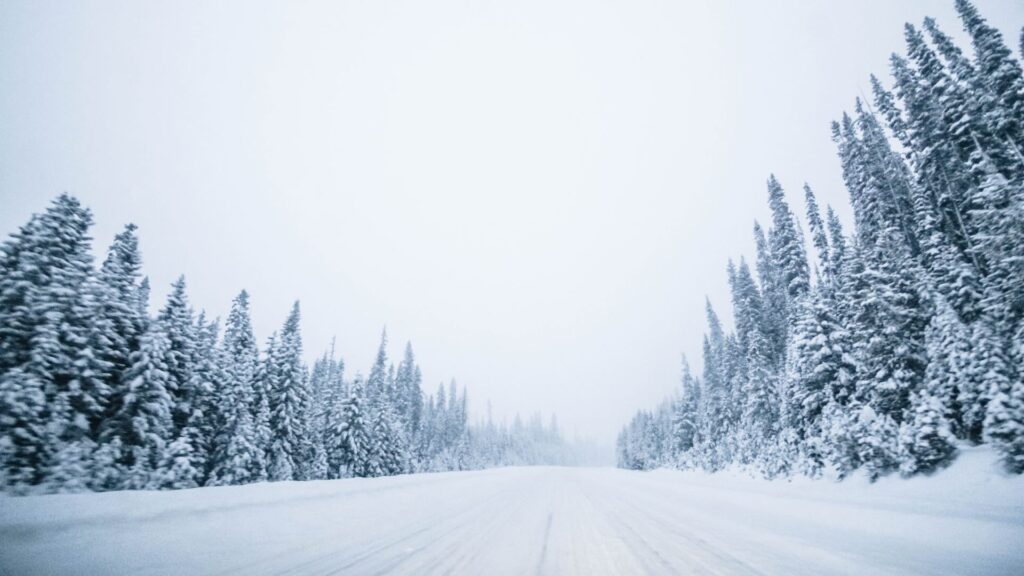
<point x="527" y="521"/>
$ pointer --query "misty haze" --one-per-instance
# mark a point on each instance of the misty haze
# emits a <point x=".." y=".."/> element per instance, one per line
<point x="526" y="287"/>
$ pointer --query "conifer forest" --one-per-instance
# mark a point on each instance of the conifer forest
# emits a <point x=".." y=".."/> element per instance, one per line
<point x="888" y="346"/>
<point x="98" y="394"/>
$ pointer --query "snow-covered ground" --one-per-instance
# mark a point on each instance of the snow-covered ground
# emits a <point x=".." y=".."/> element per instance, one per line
<point x="542" y="520"/>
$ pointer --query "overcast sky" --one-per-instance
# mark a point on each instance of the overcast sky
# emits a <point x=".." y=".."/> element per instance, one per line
<point x="538" y="193"/>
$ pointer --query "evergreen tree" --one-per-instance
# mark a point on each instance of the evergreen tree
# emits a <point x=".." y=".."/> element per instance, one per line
<point x="889" y="329"/>
<point x="715" y="409"/>
<point x="684" y="421"/>
<point x="238" y="457"/>
<point x="823" y="363"/>
<point x="818" y="236"/>
<point x="786" y="245"/>
<point x="24" y="452"/>
<point x="999" y="214"/>
<point x="837" y="242"/>
<point x="119" y="302"/>
<point x="1004" y="424"/>
<point x="145" y="423"/>
<point x="760" y="420"/>
<point x="176" y="469"/>
<point x="112" y="330"/>
<point x="45" y="271"/>
<point x="926" y="442"/>
<point x="774" y="296"/>
<point x="408" y="395"/>
<point x="116" y="323"/>
<point x="289" y="402"/>
<point x="947" y="378"/>
<point x="377" y="381"/>
<point x="1000" y="71"/>
<point x="349" y="445"/>
<point x="386" y="453"/>
<point x="747" y="306"/>
<point x="177" y="322"/>
<point x="207" y="385"/>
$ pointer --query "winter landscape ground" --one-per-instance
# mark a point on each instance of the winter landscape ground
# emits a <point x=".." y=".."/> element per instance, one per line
<point x="968" y="519"/>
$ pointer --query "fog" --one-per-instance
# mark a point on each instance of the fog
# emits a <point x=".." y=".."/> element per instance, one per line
<point x="538" y="194"/>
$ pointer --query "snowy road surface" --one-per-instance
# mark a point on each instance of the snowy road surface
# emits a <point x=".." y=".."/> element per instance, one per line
<point x="525" y="521"/>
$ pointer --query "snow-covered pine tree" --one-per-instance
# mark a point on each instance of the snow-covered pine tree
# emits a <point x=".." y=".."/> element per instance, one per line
<point x="819" y="238"/>
<point x="377" y="381"/>
<point x="209" y="378"/>
<point x="386" y="454"/>
<point x="999" y="214"/>
<point x="716" y="397"/>
<point x="349" y="438"/>
<point x="289" y="403"/>
<point x="756" y="385"/>
<point x="439" y="434"/>
<point x="926" y="443"/>
<point x="773" y="295"/>
<point x="1004" y="424"/>
<point x="875" y="178"/>
<point x="176" y="469"/>
<point x="178" y="324"/>
<point x="822" y="373"/>
<point x="760" y="421"/>
<point x="889" y="328"/>
<point x="947" y="340"/>
<point x="684" y="419"/>
<point x="238" y="457"/>
<point x="121" y="279"/>
<point x="409" y="395"/>
<point x="266" y="374"/>
<point x="327" y="388"/>
<point x="24" y="452"/>
<point x="112" y="329"/>
<point x="45" y="270"/>
<point x="417" y="418"/>
<point x="1000" y="72"/>
<point x="786" y="245"/>
<point x="747" y="305"/>
<point x="145" y="424"/>
<point x="118" y="319"/>
<point x="837" y="243"/>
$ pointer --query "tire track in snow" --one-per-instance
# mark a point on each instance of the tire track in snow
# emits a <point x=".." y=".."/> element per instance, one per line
<point x="544" y="548"/>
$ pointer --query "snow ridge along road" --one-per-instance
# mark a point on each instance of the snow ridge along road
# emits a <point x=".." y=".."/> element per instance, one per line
<point x="540" y="520"/>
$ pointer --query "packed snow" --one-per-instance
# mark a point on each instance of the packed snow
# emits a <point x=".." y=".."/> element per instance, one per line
<point x="533" y="520"/>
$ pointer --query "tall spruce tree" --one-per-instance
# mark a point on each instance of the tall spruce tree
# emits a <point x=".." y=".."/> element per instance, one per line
<point x="118" y="310"/>
<point x="349" y="438"/>
<point x="1001" y="73"/>
<point x="145" y="421"/>
<point x="238" y="457"/>
<point x="786" y="245"/>
<point x="44" y="325"/>
<point x="289" y="403"/>
<point x="178" y="323"/>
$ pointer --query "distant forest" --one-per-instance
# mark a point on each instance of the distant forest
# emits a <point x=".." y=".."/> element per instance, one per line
<point x="888" y="348"/>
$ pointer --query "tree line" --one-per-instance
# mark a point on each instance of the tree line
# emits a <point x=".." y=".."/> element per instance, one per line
<point x="889" y="348"/>
<point x="98" y="394"/>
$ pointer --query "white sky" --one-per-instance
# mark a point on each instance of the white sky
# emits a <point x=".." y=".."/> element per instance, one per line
<point x="537" y="193"/>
